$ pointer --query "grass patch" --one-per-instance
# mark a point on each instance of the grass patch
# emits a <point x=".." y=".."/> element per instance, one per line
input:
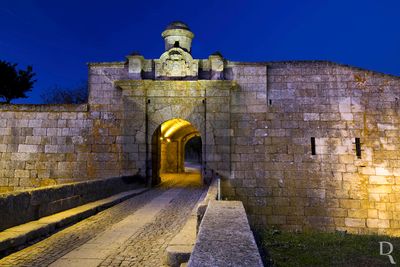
<point x="325" y="249"/>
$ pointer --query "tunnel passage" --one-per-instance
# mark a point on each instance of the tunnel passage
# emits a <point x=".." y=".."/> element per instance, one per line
<point x="176" y="153"/>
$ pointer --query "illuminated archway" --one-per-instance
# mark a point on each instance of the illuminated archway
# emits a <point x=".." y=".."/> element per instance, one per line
<point x="168" y="150"/>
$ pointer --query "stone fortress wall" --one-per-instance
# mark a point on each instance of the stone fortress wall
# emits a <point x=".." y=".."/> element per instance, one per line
<point x="42" y="145"/>
<point x="53" y="144"/>
<point x="260" y="125"/>
<point x="335" y="188"/>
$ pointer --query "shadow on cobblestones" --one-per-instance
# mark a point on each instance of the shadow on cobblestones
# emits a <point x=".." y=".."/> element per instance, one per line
<point x="145" y="248"/>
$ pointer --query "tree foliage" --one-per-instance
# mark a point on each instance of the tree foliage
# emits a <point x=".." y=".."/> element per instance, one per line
<point x="15" y="83"/>
<point x="59" y="95"/>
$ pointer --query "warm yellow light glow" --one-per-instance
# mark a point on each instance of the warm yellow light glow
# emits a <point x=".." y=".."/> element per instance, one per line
<point x="168" y="128"/>
<point x="168" y="140"/>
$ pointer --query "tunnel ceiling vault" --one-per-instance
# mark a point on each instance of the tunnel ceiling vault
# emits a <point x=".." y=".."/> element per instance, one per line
<point x="177" y="129"/>
<point x="189" y="136"/>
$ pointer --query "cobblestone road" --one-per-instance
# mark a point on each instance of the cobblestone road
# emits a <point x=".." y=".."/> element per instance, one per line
<point x="151" y="220"/>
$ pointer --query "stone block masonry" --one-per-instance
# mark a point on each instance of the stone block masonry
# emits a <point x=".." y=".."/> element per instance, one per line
<point x="20" y="207"/>
<point x="304" y="145"/>
<point x="225" y="226"/>
<point x="43" y="145"/>
<point x="345" y="185"/>
<point x="39" y="144"/>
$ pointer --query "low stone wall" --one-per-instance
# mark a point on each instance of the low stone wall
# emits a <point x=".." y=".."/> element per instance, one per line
<point x="24" y="206"/>
<point x="212" y="194"/>
<point x="225" y="238"/>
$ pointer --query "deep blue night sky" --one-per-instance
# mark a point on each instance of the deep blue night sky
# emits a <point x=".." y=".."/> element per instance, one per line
<point x="58" y="38"/>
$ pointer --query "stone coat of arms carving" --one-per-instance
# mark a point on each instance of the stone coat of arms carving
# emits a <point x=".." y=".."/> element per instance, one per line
<point x="176" y="63"/>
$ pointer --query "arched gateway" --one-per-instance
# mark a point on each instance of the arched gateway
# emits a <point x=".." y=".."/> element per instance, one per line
<point x="169" y="142"/>
<point x="187" y="97"/>
<point x="304" y="144"/>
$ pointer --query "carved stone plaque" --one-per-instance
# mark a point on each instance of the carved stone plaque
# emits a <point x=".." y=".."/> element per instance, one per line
<point x="176" y="62"/>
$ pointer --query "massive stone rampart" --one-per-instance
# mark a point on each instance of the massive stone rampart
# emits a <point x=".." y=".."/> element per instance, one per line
<point x="352" y="115"/>
<point x="260" y="124"/>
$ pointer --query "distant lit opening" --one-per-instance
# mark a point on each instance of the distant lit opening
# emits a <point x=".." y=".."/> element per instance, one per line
<point x="193" y="150"/>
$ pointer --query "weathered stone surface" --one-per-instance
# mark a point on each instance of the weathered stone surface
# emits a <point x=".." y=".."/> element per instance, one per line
<point x="134" y="232"/>
<point x="19" y="235"/>
<point x="181" y="246"/>
<point x="25" y="206"/>
<point x="256" y="121"/>
<point x="225" y="238"/>
<point x="176" y="63"/>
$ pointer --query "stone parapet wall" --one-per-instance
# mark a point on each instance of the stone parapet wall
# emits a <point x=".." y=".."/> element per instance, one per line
<point x="44" y="107"/>
<point x="24" y="206"/>
<point x="225" y="225"/>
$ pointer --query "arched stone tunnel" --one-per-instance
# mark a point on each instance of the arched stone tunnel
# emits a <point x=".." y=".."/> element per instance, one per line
<point x="168" y="149"/>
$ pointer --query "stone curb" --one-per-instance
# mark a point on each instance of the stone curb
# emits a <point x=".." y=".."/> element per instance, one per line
<point x="225" y="238"/>
<point x="181" y="246"/>
<point x="21" y="234"/>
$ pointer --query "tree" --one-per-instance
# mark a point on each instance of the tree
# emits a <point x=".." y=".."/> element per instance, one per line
<point x="59" y="95"/>
<point x="15" y="83"/>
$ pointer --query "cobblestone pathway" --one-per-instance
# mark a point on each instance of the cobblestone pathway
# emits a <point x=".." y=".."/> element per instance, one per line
<point x="144" y="247"/>
<point x="147" y="246"/>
